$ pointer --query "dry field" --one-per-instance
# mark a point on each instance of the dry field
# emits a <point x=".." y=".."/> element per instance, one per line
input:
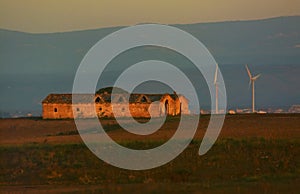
<point x="254" y="153"/>
<point x="36" y="130"/>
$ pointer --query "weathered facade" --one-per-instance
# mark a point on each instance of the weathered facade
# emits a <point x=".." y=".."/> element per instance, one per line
<point x="104" y="104"/>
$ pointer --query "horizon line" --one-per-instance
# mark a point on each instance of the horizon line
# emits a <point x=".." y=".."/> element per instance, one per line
<point x="175" y="24"/>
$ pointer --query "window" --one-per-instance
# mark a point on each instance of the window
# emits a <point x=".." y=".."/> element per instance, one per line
<point x="143" y="99"/>
<point x="55" y="109"/>
<point x="77" y="109"/>
<point x="97" y="100"/>
<point x="100" y="108"/>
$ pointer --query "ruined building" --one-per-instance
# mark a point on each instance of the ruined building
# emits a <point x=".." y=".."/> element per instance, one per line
<point x="59" y="106"/>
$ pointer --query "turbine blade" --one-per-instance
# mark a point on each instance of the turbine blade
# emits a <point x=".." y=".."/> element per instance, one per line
<point x="216" y="75"/>
<point x="221" y="92"/>
<point x="248" y="71"/>
<point x="256" y="77"/>
<point x="249" y="84"/>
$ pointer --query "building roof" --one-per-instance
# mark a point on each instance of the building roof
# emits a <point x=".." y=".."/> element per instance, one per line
<point x="105" y="98"/>
<point x="110" y="89"/>
<point x="67" y="98"/>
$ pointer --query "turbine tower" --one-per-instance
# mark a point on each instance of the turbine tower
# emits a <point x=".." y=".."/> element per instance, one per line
<point x="252" y="81"/>
<point x="217" y="90"/>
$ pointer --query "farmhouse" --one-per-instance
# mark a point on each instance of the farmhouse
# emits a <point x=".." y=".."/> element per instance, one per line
<point x="102" y="104"/>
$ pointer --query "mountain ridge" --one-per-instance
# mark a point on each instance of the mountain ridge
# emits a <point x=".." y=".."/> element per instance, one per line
<point x="37" y="64"/>
<point x="123" y="26"/>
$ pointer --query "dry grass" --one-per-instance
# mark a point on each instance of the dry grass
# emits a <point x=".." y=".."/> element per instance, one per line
<point x="36" y="130"/>
<point x="254" y="153"/>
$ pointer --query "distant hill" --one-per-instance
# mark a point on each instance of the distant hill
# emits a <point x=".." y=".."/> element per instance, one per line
<point x="33" y="65"/>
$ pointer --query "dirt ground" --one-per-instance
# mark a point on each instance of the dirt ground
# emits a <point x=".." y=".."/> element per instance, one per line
<point x="36" y="130"/>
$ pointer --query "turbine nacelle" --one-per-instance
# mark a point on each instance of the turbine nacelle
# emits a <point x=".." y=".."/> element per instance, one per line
<point x="250" y="75"/>
<point x="255" y="77"/>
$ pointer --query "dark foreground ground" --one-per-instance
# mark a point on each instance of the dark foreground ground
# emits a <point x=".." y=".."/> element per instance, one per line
<point x="254" y="153"/>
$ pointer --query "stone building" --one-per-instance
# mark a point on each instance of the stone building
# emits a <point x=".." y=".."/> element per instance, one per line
<point x="102" y="104"/>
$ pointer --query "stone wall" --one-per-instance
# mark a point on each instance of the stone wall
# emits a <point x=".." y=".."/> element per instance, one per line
<point x="57" y="111"/>
<point x="184" y="105"/>
<point x="167" y="105"/>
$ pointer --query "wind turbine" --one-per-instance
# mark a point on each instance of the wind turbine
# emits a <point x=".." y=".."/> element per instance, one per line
<point x="217" y="90"/>
<point x="252" y="81"/>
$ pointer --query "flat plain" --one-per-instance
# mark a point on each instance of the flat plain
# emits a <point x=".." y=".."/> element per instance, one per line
<point x="254" y="153"/>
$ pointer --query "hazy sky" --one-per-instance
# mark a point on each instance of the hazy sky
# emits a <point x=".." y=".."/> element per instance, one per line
<point x="68" y="15"/>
